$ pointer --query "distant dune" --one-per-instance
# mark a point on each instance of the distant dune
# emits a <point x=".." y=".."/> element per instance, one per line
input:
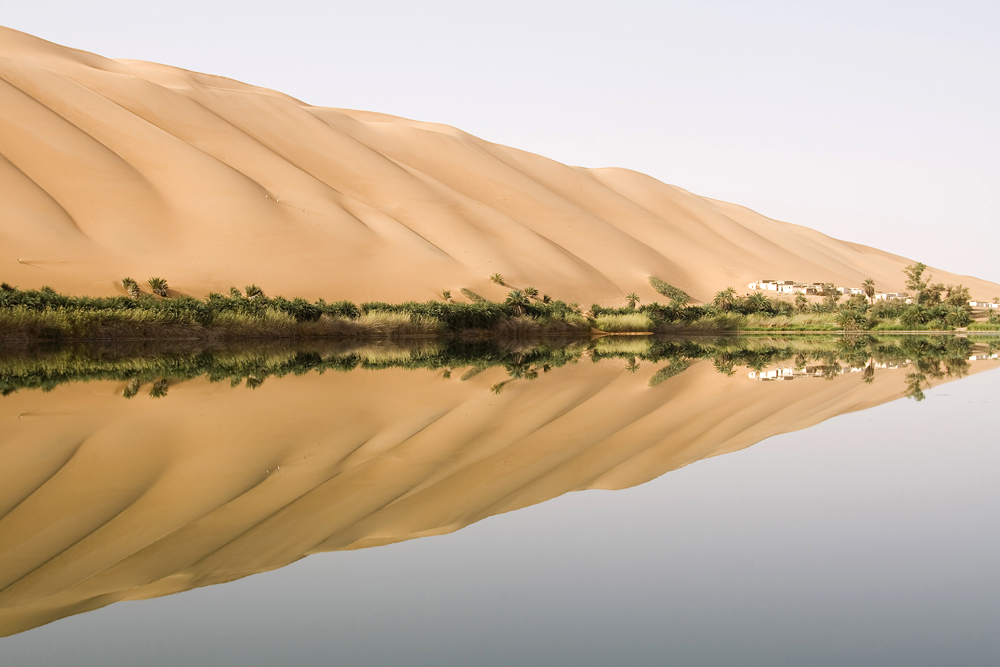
<point x="111" y="168"/>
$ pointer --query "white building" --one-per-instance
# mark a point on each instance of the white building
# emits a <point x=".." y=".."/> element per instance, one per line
<point x="891" y="296"/>
<point x="984" y="304"/>
<point x="772" y="375"/>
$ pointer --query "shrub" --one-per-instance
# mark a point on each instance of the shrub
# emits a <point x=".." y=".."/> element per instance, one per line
<point x="675" y="367"/>
<point x="341" y="309"/>
<point x="675" y="294"/>
<point x="915" y="316"/>
<point x="958" y="316"/>
<point x="472" y="296"/>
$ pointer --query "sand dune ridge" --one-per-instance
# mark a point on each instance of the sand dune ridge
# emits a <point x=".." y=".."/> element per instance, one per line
<point x="119" y="167"/>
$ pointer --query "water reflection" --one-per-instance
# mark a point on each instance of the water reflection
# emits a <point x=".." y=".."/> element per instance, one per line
<point x="156" y="368"/>
<point x="339" y="447"/>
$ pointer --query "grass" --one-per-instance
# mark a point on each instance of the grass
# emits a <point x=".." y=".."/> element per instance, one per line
<point x="390" y="325"/>
<point x="798" y="322"/>
<point x="624" y="322"/>
<point x="622" y="346"/>
<point x="22" y="324"/>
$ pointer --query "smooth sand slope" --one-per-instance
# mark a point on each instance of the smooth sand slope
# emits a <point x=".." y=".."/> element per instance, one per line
<point x="104" y="499"/>
<point x="111" y="168"/>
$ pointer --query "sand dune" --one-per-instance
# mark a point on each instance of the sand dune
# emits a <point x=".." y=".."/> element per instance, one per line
<point x="103" y="499"/>
<point x="113" y="167"/>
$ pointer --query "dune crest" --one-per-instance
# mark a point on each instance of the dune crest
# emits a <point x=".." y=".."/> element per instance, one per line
<point x="112" y="168"/>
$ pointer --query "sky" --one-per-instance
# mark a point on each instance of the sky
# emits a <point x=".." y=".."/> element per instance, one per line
<point x="873" y="122"/>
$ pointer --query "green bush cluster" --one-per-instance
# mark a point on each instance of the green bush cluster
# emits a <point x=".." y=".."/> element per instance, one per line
<point x="675" y="294"/>
<point x="60" y="315"/>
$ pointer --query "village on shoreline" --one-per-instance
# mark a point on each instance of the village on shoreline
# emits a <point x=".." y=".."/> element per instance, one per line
<point x="821" y="289"/>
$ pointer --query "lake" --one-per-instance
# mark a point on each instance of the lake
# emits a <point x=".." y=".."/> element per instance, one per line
<point x="637" y="501"/>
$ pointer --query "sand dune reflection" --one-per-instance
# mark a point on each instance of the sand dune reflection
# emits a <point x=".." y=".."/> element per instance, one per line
<point x="104" y="499"/>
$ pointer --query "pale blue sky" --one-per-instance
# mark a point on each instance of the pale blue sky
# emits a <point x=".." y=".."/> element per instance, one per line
<point x="875" y="122"/>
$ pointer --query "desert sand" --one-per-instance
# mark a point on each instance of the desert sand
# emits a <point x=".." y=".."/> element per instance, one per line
<point x="111" y="168"/>
<point x="104" y="499"/>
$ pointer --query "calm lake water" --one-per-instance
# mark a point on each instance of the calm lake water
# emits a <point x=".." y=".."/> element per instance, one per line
<point x="627" y="501"/>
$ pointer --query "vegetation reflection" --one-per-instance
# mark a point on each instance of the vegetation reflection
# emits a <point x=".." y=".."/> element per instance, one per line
<point x="153" y="369"/>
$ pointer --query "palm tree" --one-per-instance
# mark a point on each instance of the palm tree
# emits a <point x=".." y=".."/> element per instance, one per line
<point x="498" y="388"/>
<point x="132" y="388"/>
<point x="869" y="287"/>
<point x="132" y="287"/>
<point x="914" y="389"/>
<point x="497" y="278"/>
<point x="159" y="389"/>
<point x="758" y="303"/>
<point x="517" y="300"/>
<point x="848" y="319"/>
<point x="530" y="292"/>
<point x="158" y="286"/>
<point x="725" y="299"/>
<point x="446" y="294"/>
<point x="632" y="366"/>
<point x="801" y="302"/>
<point x="252" y="291"/>
<point x="725" y="365"/>
<point x="631" y="299"/>
<point x="546" y="298"/>
<point x="234" y="293"/>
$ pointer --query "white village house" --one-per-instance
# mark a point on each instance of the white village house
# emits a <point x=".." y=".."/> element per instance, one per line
<point x="792" y="287"/>
<point x="889" y="296"/>
<point x="786" y="286"/>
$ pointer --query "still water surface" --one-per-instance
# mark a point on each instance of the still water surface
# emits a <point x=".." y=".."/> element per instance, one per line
<point x="862" y="530"/>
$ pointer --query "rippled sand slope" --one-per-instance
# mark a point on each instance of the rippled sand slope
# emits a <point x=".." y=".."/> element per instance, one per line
<point x="112" y="167"/>
<point x="105" y="499"/>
